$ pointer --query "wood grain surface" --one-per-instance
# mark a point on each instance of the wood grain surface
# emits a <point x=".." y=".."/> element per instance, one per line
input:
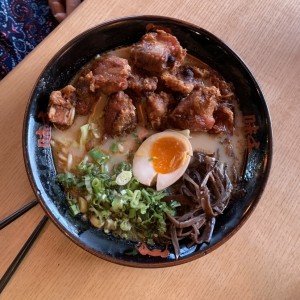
<point x="262" y="261"/>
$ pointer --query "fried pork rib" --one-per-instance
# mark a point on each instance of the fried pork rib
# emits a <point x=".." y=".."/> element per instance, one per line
<point x="119" y="115"/>
<point x="157" y="109"/>
<point x="141" y="83"/>
<point x="166" y="93"/>
<point x="107" y="74"/>
<point x="226" y="89"/>
<point x="183" y="79"/>
<point x="157" y="51"/>
<point x="86" y="96"/>
<point x="110" y="74"/>
<point x="195" y="112"/>
<point x="224" y="119"/>
<point x="61" y="107"/>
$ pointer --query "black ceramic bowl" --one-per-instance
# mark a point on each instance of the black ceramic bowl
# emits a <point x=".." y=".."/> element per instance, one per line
<point x="122" y="32"/>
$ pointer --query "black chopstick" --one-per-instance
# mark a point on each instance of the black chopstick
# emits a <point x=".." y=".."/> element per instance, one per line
<point x="17" y="213"/>
<point x="14" y="265"/>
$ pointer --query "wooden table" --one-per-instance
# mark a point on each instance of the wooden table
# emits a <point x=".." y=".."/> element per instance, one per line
<point x="262" y="261"/>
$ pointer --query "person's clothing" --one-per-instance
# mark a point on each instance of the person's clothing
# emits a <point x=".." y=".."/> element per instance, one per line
<point x="23" y="25"/>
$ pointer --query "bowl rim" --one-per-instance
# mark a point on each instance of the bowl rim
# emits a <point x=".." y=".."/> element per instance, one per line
<point x="71" y="236"/>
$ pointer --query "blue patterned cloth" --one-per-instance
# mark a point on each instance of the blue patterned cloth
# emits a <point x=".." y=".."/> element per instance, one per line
<point x="23" y="25"/>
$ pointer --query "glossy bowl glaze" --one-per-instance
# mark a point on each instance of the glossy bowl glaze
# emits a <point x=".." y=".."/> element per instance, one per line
<point x="123" y="32"/>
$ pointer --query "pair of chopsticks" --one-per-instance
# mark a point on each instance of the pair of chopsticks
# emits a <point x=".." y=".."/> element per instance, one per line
<point x="18" y="259"/>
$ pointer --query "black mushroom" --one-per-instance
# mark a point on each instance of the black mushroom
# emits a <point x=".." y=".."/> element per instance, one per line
<point x="204" y="192"/>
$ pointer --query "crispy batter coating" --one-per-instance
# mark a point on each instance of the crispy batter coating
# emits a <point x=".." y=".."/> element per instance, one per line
<point x="166" y="92"/>
<point x="61" y="110"/>
<point x="110" y="74"/>
<point x="86" y="97"/>
<point x="157" y="109"/>
<point x="195" y="112"/>
<point x="140" y="82"/>
<point x="224" y="119"/>
<point x="120" y="115"/>
<point x="157" y="51"/>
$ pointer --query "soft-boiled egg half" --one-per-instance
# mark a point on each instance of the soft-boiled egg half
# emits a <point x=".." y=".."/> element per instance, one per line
<point x="162" y="159"/>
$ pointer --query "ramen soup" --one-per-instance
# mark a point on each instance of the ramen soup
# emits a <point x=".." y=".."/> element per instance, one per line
<point x="148" y="142"/>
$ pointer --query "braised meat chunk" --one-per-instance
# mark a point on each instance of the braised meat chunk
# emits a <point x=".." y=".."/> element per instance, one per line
<point x="224" y="119"/>
<point x="119" y="115"/>
<point x="85" y="94"/>
<point x="226" y="89"/>
<point x="157" y="109"/>
<point x="110" y="74"/>
<point x="183" y="79"/>
<point x="195" y="112"/>
<point x="61" y="109"/>
<point x="157" y="51"/>
<point x="140" y="82"/>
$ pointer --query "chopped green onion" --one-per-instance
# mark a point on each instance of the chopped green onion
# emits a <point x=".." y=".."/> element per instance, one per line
<point x="124" y="177"/>
<point x="74" y="209"/>
<point x="96" y="184"/>
<point x="98" y="156"/>
<point x="125" y="225"/>
<point x="88" y="186"/>
<point x="114" y="148"/>
<point x="143" y="208"/>
<point x="129" y="193"/>
<point x="135" y="199"/>
<point x="132" y="213"/>
<point x="116" y="203"/>
<point x="123" y="166"/>
<point x="67" y="179"/>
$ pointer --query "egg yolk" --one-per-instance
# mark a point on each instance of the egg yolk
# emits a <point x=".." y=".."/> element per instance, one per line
<point x="167" y="154"/>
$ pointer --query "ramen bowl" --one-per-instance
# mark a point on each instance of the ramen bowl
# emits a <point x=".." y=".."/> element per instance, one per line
<point x="67" y="62"/>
